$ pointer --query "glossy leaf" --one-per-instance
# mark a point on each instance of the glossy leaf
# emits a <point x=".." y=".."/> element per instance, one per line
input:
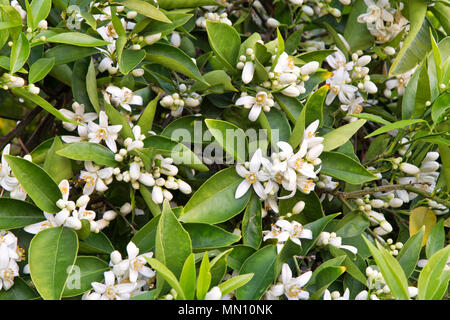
<point x="51" y="256"/>
<point x="214" y="201"/>
<point x="410" y="252"/>
<point x="88" y="151"/>
<point x="17" y="214"/>
<point x="262" y="265"/>
<point x="40" y="69"/>
<point x="205" y="236"/>
<point x="341" y="135"/>
<point x="344" y="168"/>
<point x="37" y="183"/>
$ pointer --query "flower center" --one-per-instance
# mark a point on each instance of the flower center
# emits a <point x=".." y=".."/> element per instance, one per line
<point x="21" y="253"/>
<point x="294" y="290"/>
<point x="308" y="185"/>
<point x="299" y="163"/>
<point x="137" y="264"/>
<point x="251" y="178"/>
<point x="279" y="177"/>
<point x="334" y="89"/>
<point x="110" y="292"/>
<point x="102" y="134"/>
<point x="89" y="181"/>
<point x="8" y="274"/>
<point x="291" y="64"/>
<point x="298" y="230"/>
<point x="261" y="98"/>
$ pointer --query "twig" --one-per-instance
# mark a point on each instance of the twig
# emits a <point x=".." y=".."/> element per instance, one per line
<point x="19" y="127"/>
<point x="391" y="187"/>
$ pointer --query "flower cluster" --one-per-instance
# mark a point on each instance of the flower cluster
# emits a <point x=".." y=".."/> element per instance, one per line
<point x="177" y="101"/>
<point x="7" y="179"/>
<point x="383" y="21"/>
<point x="128" y="277"/>
<point x="10" y="254"/>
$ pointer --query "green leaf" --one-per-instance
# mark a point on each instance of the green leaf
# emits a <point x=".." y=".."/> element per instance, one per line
<point x="234" y="283"/>
<point x="146" y="119"/>
<point x="173" y="59"/>
<point x="370" y="117"/>
<point x="214" y="201"/>
<point x="177" y="151"/>
<point x="205" y="236"/>
<point x="17" y="214"/>
<point x="356" y="34"/>
<point x="410" y="252"/>
<point x="230" y="137"/>
<point x="36" y="182"/>
<point x="173" y="244"/>
<point x="34" y="98"/>
<point x="146" y="9"/>
<point x="417" y="41"/>
<point x="433" y="276"/>
<point x="51" y="256"/>
<point x="353" y="224"/>
<point x="91" y="86"/>
<point x="130" y="60"/>
<point x="65" y="53"/>
<point x="86" y="270"/>
<point x="219" y="266"/>
<point x="391" y="270"/>
<point x="262" y="265"/>
<point x="168" y="275"/>
<point x="252" y="223"/>
<point x="40" y="9"/>
<point x="225" y="42"/>
<point x="96" y="243"/>
<point x="19" y="291"/>
<point x="325" y="278"/>
<point x="145" y="238"/>
<point x="188" y="277"/>
<point x="204" y="278"/>
<point x="312" y="211"/>
<point x="291" y="106"/>
<point x="344" y="168"/>
<point x="178" y="4"/>
<point x="341" y="135"/>
<point x="19" y="53"/>
<point x="40" y="69"/>
<point x="436" y="239"/>
<point x="349" y="262"/>
<point x="88" y="151"/>
<point x="59" y="168"/>
<point x="316" y="228"/>
<point x="77" y="39"/>
<point x="395" y="125"/>
<point x="440" y="107"/>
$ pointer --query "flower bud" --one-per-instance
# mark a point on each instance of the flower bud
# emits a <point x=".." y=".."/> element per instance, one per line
<point x="109" y="215"/>
<point x="299" y="206"/>
<point x="82" y="201"/>
<point x="272" y="23"/>
<point x="116" y="257"/>
<point x="396" y="203"/>
<point x="310" y="67"/>
<point x="389" y="51"/>
<point x="125" y="208"/>
<point x="409" y="168"/>
<point x="152" y="38"/>
<point x="73" y="223"/>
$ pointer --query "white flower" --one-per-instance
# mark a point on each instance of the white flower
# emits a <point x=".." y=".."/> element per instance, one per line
<point x="291" y="287"/>
<point x="94" y="177"/>
<point x="335" y="295"/>
<point x="262" y="101"/>
<point x="136" y="264"/>
<point x="252" y="177"/>
<point x="283" y="230"/>
<point x="123" y="97"/>
<point x="213" y="294"/>
<point x="110" y="290"/>
<point x="101" y="131"/>
<point x="7" y="274"/>
<point x="78" y="115"/>
<point x="331" y="239"/>
<point x="339" y="87"/>
<point x="247" y="72"/>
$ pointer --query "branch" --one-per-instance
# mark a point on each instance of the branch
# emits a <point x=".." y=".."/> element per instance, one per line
<point x="20" y="127"/>
<point x="391" y="187"/>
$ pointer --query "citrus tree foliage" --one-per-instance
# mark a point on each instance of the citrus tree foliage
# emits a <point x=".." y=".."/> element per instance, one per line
<point x="203" y="149"/>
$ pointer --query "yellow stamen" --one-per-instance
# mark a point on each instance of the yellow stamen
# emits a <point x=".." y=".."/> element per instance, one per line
<point x="251" y="178"/>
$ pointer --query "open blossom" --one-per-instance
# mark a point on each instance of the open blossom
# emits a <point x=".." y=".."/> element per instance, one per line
<point x="135" y="265"/>
<point x="104" y="132"/>
<point x="95" y="177"/>
<point x="122" y="97"/>
<point x="261" y="101"/>
<point x="7" y="179"/>
<point x="283" y="230"/>
<point x="77" y="115"/>
<point x="110" y="290"/>
<point x="252" y="176"/>
<point x="291" y="287"/>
